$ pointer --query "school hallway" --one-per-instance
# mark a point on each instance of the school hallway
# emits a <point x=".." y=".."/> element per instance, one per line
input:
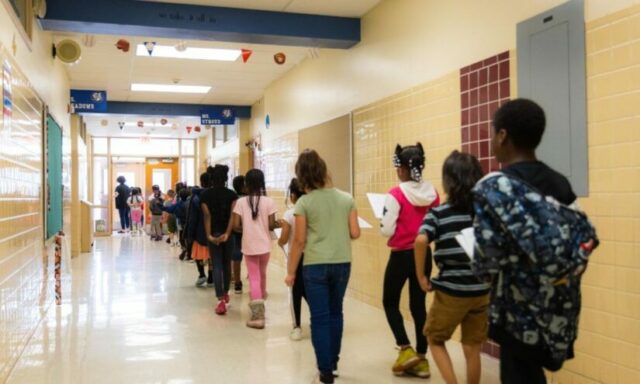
<point x="131" y="314"/>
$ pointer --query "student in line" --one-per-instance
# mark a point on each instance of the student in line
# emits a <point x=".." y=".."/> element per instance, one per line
<point x="135" y="202"/>
<point x="460" y="297"/>
<point x="217" y="205"/>
<point x="285" y="241"/>
<point x="404" y="208"/>
<point x="170" y="218"/>
<point x="519" y="126"/>
<point x="236" y="260"/>
<point x="326" y="220"/>
<point x="155" y="206"/>
<point x="195" y="234"/>
<point x="255" y="216"/>
<point x="122" y="195"/>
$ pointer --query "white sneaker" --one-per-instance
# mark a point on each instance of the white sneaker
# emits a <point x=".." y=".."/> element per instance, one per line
<point x="296" y="334"/>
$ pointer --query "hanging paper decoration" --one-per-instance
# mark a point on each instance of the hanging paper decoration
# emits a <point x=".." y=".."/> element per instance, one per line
<point x="150" y="45"/>
<point x="280" y="58"/>
<point x="207" y="127"/>
<point x="104" y="122"/>
<point x="140" y="124"/>
<point x="163" y="121"/>
<point x="174" y="126"/>
<point x="123" y="45"/>
<point x="197" y="128"/>
<point x="121" y="125"/>
<point x="189" y="129"/>
<point x="246" y="54"/>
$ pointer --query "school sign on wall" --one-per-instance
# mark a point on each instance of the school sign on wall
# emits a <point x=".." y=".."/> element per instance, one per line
<point x="88" y="101"/>
<point x="217" y="116"/>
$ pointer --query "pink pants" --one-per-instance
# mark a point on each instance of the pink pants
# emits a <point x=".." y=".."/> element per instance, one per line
<point x="257" y="268"/>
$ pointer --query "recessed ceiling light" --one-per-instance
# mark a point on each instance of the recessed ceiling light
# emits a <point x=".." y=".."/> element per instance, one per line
<point x="189" y="53"/>
<point x="173" y="88"/>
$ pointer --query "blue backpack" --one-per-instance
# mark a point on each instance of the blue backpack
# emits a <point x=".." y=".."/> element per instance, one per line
<point x="538" y="249"/>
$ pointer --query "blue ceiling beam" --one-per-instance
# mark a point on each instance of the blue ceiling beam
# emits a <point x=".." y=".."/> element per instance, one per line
<point x="184" y="22"/>
<point x="166" y="109"/>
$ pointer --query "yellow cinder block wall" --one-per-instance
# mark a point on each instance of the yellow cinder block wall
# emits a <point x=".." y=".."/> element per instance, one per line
<point x="608" y="348"/>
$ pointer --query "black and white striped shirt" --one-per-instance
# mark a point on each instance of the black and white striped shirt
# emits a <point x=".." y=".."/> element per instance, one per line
<point x="456" y="278"/>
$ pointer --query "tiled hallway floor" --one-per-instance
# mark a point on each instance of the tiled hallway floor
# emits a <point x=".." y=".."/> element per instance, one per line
<point x="133" y="315"/>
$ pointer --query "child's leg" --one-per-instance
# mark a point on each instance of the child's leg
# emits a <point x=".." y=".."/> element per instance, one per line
<point x="394" y="280"/>
<point x="253" y="268"/>
<point x="297" y="293"/>
<point x="443" y="361"/>
<point x="200" y="265"/>
<point x="472" y="355"/>
<point x="417" y="305"/>
<point x="264" y="262"/>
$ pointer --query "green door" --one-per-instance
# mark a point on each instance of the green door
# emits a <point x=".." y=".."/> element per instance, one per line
<point x="54" y="177"/>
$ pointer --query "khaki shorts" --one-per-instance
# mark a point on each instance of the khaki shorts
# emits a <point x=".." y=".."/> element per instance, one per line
<point x="447" y="312"/>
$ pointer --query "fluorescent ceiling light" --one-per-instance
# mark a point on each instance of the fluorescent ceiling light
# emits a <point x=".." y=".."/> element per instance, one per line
<point x="174" y="88"/>
<point x="189" y="53"/>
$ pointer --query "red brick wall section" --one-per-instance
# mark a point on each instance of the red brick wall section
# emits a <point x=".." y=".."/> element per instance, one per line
<point x="484" y="86"/>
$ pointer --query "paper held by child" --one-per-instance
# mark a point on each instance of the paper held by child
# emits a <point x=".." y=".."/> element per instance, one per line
<point x="377" y="203"/>
<point x="467" y="240"/>
<point x="363" y="224"/>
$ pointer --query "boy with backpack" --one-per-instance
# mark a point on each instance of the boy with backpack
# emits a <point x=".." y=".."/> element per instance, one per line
<point x="533" y="244"/>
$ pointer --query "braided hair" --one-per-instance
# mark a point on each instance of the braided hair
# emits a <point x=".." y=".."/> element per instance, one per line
<point x="411" y="157"/>
<point x="254" y="181"/>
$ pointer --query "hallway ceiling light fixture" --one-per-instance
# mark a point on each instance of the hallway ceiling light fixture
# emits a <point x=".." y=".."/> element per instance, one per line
<point x="190" y="53"/>
<point x="170" y="88"/>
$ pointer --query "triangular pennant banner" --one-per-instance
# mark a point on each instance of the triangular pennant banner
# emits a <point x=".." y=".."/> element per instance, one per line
<point x="246" y="54"/>
<point x="150" y="45"/>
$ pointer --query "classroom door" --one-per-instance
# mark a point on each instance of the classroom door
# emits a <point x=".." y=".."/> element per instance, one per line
<point x="133" y="170"/>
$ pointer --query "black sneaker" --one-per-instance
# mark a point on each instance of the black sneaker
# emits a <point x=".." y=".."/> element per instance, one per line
<point x="182" y="255"/>
<point x="238" y="287"/>
<point x="326" y="378"/>
<point x="168" y="240"/>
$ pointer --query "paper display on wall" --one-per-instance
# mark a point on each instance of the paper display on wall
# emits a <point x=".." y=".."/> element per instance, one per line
<point x="377" y="204"/>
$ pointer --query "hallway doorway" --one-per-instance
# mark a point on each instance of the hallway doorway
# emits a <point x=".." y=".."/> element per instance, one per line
<point x="133" y="170"/>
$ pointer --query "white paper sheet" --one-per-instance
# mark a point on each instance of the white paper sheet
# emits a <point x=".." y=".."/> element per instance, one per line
<point x="278" y="232"/>
<point x="467" y="240"/>
<point x="363" y="223"/>
<point x="377" y="203"/>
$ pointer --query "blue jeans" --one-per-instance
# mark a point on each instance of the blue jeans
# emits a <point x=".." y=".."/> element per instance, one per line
<point x="325" y="286"/>
<point x="125" y="218"/>
<point x="220" y="256"/>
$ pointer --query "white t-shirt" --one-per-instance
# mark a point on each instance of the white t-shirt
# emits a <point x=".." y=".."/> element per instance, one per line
<point x="134" y="204"/>
<point x="291" y="219"/>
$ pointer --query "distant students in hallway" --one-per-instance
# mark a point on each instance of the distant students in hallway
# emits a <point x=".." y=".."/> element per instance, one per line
<point x="326" y="220"/>
<point x="404" y="208"/>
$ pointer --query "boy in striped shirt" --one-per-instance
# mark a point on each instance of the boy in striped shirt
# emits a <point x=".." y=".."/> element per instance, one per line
<point x="460" y="298"/>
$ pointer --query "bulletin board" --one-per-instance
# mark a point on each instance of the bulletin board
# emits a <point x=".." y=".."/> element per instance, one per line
<point x="54" y="177"/>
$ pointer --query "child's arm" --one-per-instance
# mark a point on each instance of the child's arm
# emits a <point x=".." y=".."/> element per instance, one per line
<point x="299" y="240"/>
<point x="225" y="236"/>
<point x="273" y="224"/>
<point x="207" y="222"/>
<point x="354" y="225"/>
<point x="286" y="231"/>
<point x="420" y="253"/>
<point x="390" y="215"/>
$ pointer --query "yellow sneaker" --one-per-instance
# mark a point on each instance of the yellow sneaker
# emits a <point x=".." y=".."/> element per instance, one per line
<point x="421" y="370"/>
<point x="407" y="359"/>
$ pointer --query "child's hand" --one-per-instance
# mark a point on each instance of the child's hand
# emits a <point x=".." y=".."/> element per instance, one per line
<point x="289" y="280"/>
<point x="282" y="223"/>
<point x="425" y="284"/>
<point x="222" y="238"/>
<point x="212" y="239"/>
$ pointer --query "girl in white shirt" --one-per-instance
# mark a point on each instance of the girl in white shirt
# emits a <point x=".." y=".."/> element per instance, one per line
<point x="286" y="238"/>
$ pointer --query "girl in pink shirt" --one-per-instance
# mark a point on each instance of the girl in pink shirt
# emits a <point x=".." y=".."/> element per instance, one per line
<point x="404" y="209"/>
<point x="255" y="216"/>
